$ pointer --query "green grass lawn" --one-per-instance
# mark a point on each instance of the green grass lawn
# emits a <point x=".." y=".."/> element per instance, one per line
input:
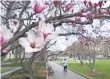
<point x="12" y="65"/>
<point x="40" y="65"/>
<point x="102" y="69"/>
<point x="12" y="60"/>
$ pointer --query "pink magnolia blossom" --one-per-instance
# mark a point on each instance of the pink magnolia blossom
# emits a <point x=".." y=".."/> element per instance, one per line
<point x="78" y="14"/>
<point x="46" y="35"/>
<point x="85" y="2"/>
<point x="46" y="29"/>
<point x="95" y="5"/>
<point x="96" y="30"/>
<point x="36" y="38"/>
<point x="73" y="24"/>
<point x="89" y="15"/>
<point x="69" y="6"/>
<point x="5" y="35"/>
<point x="15" y="22"/>
<point x="47" y="3"/>
<point x="33" y="42"/>
<point x="108" y="11"/>
<point x="100" y="3"/>
<point x="81" y="29"/>
<point x="103" y="11"/>
<point x="2" y="41"/>
<point x="83" y="40"/>
<point x="5" y="51"/>
<point x="90" y="4"/>
<point x="84" y="10"/>
<point x="38" y="8"/>
<point x="57" y="3"/>
<point x="99" y="11"/>
<point x="77" y="19"/>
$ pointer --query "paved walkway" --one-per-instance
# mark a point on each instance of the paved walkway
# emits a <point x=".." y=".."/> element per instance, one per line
<point x="59" y="74"/>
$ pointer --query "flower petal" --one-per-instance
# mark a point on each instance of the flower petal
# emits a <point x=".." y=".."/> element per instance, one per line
<point x="5" y="51"/>
<point x="49" y="28"/>
<point x="41" y="25"/>
<point x="39" y="40"/>
<point x="45" y="28"/>
<point x="26" y="45"/>
<point x="52" y="36"/>
<point x="1" y="39"/>
<point x="37" y="49"/>
<point x="42" y="17"/>
<point x="7" y="34"/>
<point x="29" y="49"/>
<point x="4" y="42"/>
<point x="31" y="36"/>
<point x="24" y="42"/>
<point x="37" y="8"/>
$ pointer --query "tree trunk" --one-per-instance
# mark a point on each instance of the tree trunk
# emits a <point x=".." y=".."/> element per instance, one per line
<point x="31" y="75"/>
<point x="81" y="62"/>
<point x="74" y="58"/>
<point x="9" y="56"/>
<point x="93" y="64"/>
<point x="16" y="52"/>
<point x="93" y="69"/>
<point x="80" y="59"/>
<point x="29" y="68"/>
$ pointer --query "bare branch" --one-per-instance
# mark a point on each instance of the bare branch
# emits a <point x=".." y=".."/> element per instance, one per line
<point x="14" y="47"/>
<point x="8" y="11"/>
<point x="70" y="21"/>
<point x="20" y="16"/>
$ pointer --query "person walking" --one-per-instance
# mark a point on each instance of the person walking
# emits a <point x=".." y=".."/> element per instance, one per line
<point x="65" y="65"/>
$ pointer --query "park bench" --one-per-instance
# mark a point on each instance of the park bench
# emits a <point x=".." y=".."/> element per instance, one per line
<point x="50" y="70"/>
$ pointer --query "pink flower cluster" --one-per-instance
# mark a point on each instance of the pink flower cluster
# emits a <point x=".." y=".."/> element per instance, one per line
<point x="37" y="37"/>
<point x="5" y="35"/>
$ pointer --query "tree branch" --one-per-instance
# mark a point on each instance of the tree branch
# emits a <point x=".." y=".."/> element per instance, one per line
<point x="14" y="47"/>
<point x="74" y="15"/>
<point x="8" y="11"/>
<point x="20" y="16"/>
<point x="70" y="21"/>
<point x="20" y="34"/>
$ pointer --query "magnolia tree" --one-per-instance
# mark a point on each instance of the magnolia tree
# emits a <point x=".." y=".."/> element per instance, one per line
<point x="92" y="48"/>
<point x="77" y="51"/>
<point x="33" y="24"/>
<point x="88" y="51"/>
<point x="104" y="49"/>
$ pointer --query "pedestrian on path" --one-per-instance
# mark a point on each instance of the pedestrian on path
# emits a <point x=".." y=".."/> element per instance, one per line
<point x="65" y="64"/>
